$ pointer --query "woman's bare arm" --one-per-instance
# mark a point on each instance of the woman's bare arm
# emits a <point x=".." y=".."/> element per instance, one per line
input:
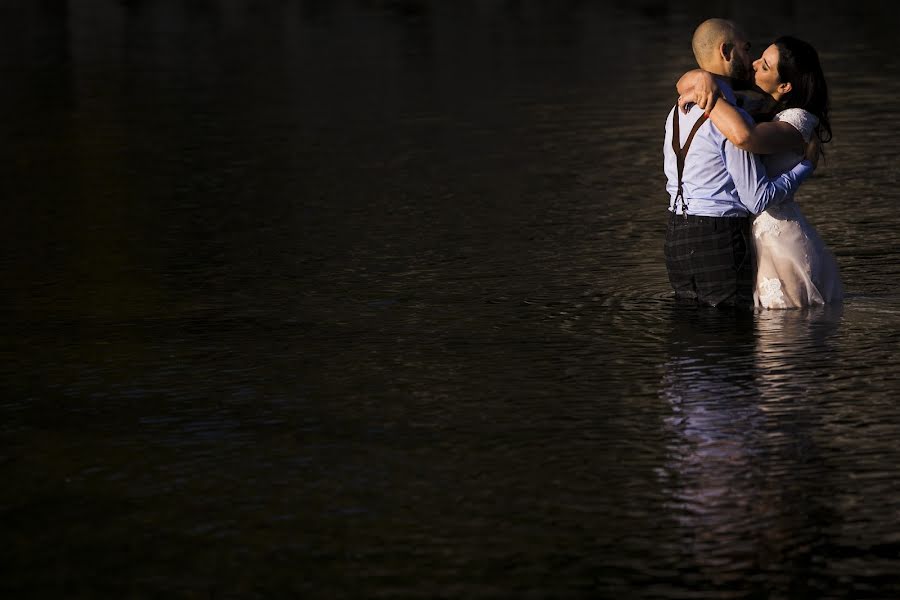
<point x="761" y="138"/>
<point x="699" y="87"/>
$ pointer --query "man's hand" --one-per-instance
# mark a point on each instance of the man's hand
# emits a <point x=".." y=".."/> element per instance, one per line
<point x="813" y="151"/>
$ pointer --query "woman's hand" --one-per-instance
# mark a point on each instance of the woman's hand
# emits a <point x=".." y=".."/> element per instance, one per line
<point x="697" y="87"/>
<point x="686" y="101"/>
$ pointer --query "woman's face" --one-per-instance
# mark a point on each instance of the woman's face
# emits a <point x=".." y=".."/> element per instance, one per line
<point x="765" y="70"/>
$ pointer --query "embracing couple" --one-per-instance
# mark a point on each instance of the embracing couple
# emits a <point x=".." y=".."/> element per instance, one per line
<point x="735" y="237"/>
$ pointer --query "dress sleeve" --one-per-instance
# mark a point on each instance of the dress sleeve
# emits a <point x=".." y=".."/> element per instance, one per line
<point x="803" y="120"/>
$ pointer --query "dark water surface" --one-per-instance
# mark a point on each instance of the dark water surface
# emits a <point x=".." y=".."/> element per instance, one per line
<point x="367" y="299"/>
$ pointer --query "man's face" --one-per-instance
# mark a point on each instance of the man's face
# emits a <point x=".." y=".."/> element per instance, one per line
<point x="741" y="63"/>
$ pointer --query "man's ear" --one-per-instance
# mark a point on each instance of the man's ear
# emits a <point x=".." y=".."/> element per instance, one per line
<point x="726" y="50"/>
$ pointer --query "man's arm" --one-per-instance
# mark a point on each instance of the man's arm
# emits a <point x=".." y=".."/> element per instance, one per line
<point x="756" y="191"/>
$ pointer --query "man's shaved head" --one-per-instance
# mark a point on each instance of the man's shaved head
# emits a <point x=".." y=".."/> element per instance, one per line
<point x="709" y="35"/>
<point x="721" y="47"/>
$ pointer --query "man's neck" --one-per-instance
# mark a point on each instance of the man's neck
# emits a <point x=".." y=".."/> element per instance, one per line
<point x="736" y="84"/>
<point x="760" y="105"/>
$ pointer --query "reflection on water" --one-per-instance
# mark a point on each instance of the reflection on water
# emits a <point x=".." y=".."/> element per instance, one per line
<point x="368" y="298"/>
<point x="745" y="471"/>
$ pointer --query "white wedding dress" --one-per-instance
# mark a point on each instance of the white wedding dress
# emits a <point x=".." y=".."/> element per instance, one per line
<point x="794" y="268"/>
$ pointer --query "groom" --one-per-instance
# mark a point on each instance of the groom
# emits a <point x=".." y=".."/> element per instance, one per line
<point x="714" y="187"/>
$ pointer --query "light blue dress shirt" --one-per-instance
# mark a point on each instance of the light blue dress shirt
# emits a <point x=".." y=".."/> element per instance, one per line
<point x="720" y="179"/>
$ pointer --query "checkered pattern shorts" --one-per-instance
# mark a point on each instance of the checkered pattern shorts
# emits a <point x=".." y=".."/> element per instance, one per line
<point x="710" y="260"/>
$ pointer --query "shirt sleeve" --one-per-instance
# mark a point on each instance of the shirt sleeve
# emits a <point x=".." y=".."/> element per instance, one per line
<point x="754" y="187"/>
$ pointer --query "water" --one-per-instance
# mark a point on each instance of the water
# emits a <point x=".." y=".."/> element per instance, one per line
<point x="367" y="299"/>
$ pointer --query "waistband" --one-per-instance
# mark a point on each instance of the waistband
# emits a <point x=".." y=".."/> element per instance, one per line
<point x="699" y="219"/>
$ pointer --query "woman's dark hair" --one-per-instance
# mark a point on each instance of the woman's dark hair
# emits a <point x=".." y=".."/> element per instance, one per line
<point x="798" y="64"/>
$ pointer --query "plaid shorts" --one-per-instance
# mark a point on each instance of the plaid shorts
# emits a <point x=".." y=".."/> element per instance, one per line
<point x="710" y="260"/>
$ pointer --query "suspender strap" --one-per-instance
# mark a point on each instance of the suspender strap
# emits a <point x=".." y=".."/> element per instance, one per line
<point x="681" y="153"/>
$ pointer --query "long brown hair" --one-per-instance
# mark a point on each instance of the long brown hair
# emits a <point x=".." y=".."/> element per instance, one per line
<point x="798" y="64"/>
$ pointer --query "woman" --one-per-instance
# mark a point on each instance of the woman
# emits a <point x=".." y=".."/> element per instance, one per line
<point x="794" y="268"/>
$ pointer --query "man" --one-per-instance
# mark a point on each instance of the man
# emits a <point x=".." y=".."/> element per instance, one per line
<point x="715" y="187"/>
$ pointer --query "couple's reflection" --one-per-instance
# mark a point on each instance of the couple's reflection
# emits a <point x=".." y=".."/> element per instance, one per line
<point x="741" y="450"/>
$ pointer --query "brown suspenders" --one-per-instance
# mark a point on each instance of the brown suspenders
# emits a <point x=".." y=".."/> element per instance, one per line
<point x="680" y="154"/>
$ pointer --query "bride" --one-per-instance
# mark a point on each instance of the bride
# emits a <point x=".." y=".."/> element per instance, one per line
<point x="794" y="268"/>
